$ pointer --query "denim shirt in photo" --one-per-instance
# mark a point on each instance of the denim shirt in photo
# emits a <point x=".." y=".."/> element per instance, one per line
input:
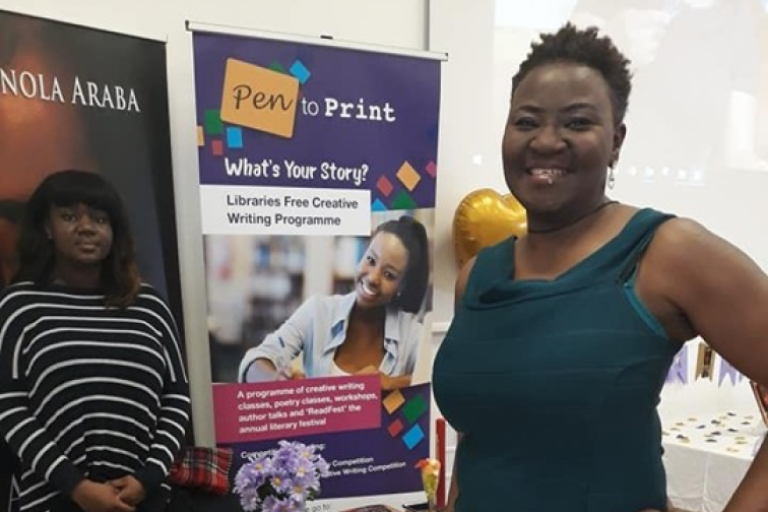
<point x="319" y="326"/>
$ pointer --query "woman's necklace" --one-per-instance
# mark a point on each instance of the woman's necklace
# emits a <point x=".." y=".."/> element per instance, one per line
<point x="572" y="222"/>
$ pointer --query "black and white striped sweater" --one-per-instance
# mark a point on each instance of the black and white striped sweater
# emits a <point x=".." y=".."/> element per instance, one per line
<point x="88" y="391"/>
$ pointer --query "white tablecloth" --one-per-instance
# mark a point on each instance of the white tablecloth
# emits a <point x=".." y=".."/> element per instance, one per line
<point x="707" y="457"/>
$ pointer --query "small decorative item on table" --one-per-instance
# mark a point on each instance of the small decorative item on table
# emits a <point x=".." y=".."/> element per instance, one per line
<point x="430" y="476"/>
<point x="282" y="480"/>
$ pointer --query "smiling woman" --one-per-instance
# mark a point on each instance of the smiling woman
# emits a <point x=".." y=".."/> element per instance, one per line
<point x="564" y="336"/>
<point x="569" y="118"/>
<point x="373" y="329"/>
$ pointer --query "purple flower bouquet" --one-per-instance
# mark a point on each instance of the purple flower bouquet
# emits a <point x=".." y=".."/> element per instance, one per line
<point x="282" y="480"/>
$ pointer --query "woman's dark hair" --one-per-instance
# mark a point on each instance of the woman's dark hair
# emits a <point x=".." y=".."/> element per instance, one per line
<point x="413" y="235"/>
<point x="37" y="256"/>
<point x="588" y="48"/>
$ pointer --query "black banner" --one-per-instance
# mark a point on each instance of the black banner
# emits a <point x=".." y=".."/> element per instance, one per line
<point x="78" y="98"/>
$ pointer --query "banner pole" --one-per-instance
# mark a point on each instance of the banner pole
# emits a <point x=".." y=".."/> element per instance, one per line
<point x="322" y="40"/>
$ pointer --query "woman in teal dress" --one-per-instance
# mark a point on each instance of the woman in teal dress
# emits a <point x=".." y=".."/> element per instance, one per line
<point x="553" y="364"/>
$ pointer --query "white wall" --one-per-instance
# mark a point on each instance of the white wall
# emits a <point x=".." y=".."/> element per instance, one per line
<point x="460" y="28"/>
<point x="399" y="23"/>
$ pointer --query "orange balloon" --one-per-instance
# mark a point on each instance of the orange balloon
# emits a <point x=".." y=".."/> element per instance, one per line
<point x="484" y="218"/>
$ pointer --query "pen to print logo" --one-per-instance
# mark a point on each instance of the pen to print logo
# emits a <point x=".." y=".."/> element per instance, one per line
<point x="259" y="98"/>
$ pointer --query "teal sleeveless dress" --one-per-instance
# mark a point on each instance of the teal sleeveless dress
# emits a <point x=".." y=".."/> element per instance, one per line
<point x="555" y="383"/>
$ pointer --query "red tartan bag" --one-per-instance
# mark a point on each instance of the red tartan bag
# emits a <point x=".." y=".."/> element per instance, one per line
<point x="202" y="468"/>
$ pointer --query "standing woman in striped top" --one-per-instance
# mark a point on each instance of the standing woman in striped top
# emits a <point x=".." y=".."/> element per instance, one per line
<point x="94" y="399"/>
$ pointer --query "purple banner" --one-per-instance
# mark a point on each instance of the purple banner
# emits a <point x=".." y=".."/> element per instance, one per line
<point x="318" y="169"/>
<point x="370" y="462"/>
<point x="361" y="120"/>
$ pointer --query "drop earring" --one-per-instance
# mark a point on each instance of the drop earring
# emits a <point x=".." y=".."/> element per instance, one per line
<point x="611" y="178"/>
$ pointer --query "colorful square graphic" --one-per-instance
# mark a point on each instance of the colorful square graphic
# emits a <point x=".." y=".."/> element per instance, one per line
<point x="403" y="201"/>
<point x="415" y="408"/>
<point x="200" y="136"/>
<point x="393" y="401"/>
<point x="217" y="147"/>
<point x="300" y="71"/>
<point x="408" y="176"/>
<point x="234" y="137"/>
<point x="395" y="428"/>
<point x="431" y="169"/>
<point x="413" y="437"/>
<point x="385" y="186"/>
<point x="378" y="206"/>
<point x="259" y="98"/>
<point x="213" y="125"/>
<point x="276" y="66"/>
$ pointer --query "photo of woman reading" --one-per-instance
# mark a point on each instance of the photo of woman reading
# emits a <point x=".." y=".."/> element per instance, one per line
<point x="373" y="329"/>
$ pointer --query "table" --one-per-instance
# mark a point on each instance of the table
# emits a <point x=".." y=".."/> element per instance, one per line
<point x="707" y="457"/>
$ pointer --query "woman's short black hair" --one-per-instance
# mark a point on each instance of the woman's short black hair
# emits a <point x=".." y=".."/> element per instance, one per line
<point x="413" y="235"/>
<point x="37" y="256"/>
<point x="587" y="47"/>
